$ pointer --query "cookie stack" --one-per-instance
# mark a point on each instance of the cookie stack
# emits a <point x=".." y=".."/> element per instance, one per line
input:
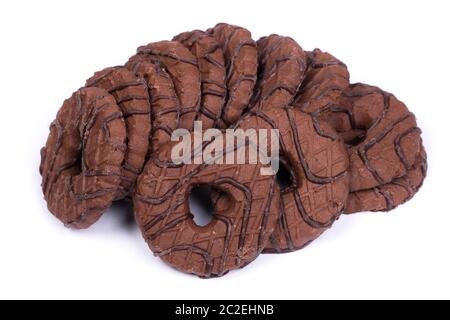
<point x="344" y="148"/>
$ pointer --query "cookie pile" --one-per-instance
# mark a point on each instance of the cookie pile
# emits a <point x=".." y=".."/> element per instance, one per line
<point x="344" y="148"/>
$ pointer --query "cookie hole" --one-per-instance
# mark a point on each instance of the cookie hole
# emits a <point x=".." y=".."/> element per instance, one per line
<point x="201" y="205"/>
<point x="285" y="179"/>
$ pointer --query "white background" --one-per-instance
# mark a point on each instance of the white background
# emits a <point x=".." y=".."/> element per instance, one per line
<point x="49" y="48"/>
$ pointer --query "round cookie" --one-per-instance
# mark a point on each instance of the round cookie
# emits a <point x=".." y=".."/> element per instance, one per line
<point x="241" y="60"/>
<point x="165" y="105"/>
<point x="387" y="141"/>
<point x="212" y="72"/>
<point x="81" y="163"/>
<point x="325" y="81"/>
<point x="317" y="166"/>
<point x="282" y="68"/>
<point x="243" y="221"/>
<point x="131" y="96"/>
<point x="359" y="113"/>
<point x="182" y="67"/>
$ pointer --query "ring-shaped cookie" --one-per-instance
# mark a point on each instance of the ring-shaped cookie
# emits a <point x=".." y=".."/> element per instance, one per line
<point x="241" y="225"/>
<point x="317" y="166"/>
<point x="82" y="161"/>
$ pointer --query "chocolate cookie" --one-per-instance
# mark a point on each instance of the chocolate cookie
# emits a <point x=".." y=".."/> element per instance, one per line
<point x="212" y="72"/>
<point x="326" y="79"/>
<point x="241" y="62"/>
<point x="240" y="228"/>
<point x="164" y="101"/>
<point x="282" y="68"/>
<point x="182" y="66"/>
<point x="387" y="141"/>
<point x="318" y="180"/>
<point x="132" y="97"/>
<point x="380" y="132"/>
<point x="389" y="196"/>
<point x="82" y="161"/>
